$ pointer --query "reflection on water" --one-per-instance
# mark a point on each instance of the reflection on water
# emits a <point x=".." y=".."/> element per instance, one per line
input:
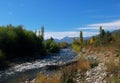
<point x="30" y="69"/>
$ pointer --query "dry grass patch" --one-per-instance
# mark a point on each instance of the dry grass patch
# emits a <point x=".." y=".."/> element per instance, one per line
<point x="112" y="48"/>
<point x="112" y="67"/>
<point x="83" y="65"/>
<point x="113" y="70"/>
<point x="67" y="73"/>
<point x="53" y="78"/>
<point x="113" y="79"/>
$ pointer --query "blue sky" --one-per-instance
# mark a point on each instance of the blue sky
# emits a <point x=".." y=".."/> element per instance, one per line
<point x="62" y="17"/>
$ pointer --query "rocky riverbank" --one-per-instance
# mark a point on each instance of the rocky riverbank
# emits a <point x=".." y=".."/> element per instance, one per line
<point x="101" y="69"/>
<point x="29" y="69"/>
<point x="104" y="72"/>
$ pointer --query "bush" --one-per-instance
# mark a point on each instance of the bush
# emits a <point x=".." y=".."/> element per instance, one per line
<point x="2" y="56"/>
<point x="68" y="73"/>
<point x="83" y="65"/>
<point x="51" y="46"/>
<point x="93" y="61"/>
<point x="77" y="47"/>
<point x="18" y="42"/>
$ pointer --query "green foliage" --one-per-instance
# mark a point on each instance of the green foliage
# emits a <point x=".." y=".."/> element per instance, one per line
<point x="116" y="38"/>
<point x="54" y="47"/>
<point x="108" y="37"/>
<point x="102" y="32"/>
<point x="2" y="56"/>
<point x="51" y="46"/>
<point x="18" y="42"/>
<point x="93" y="61"/>
<point x="103" y="38"/>
<point x="42" y="32"/>
<point x="92" y="40"/>
<point x="76" y="46"/>
<point x="81" y="37"/>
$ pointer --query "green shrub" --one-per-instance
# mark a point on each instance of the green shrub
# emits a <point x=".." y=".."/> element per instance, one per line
<point x="77" y="47"/>
<point x="93" y="61"/>
<point x="18" y="42"/>
<point x="2" y="56"/>
<point x="51" y="46"/>
<point x="54" y="47"/>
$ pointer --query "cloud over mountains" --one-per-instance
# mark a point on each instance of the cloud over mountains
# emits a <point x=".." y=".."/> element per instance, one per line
<point x="88" y="30"/>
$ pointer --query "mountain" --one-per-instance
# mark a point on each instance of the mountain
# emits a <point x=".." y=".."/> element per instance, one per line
<point x="116" y="31"/>
<point x="69" y="39"/>
<point x="65" y="39"/>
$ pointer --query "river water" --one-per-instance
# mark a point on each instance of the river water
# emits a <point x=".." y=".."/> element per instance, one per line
<point x="29" y="70"/>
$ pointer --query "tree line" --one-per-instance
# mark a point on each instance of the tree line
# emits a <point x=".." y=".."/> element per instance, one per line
<point x="102" y="39"/>
<point x="15" y="41"/>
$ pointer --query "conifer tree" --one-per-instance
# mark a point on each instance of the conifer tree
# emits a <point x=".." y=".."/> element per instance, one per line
<point x="42" y="32"/>
<point x="39" y="33"/>
<point x="102" y="32"/>
<point x="35" y="32"/>
<point x="81" y="36"/>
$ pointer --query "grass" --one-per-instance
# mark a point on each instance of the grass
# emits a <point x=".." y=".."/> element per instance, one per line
<point x="113" y="70"/>
<point x="83" y="65"/>
<point x="113" y="79"/>
<point x="108" y="54"/>
<point x="112" y="67"/>
<point x="53" y="78"/>
<point x="67" y="73"/>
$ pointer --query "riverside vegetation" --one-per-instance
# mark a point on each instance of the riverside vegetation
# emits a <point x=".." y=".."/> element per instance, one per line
<point x="98" y="61"/>
<point x="17" y="42"/>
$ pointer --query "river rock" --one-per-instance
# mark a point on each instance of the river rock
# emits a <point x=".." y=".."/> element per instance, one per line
<point x="97" y="74"/>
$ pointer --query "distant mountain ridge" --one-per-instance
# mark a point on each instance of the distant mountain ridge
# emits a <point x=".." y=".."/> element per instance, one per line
<point x="69" y="39"/>
<point x="116" y="31"/>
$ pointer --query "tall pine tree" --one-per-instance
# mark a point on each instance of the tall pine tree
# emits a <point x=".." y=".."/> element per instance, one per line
<point x="81" y="36"/>
<point x="102" y="32"/>
<point x="42" y="32"/>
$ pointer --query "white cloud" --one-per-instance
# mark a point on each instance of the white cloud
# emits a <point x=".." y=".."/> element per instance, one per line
<point x="88" y="30"/>
<point x="93" y="29"/>
<point x="60" y="35"/>
<point x="108" y="25"/>
<point x="114" y="25"/>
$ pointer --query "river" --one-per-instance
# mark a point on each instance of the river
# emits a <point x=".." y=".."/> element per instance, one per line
<point x="26" y="70"/>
